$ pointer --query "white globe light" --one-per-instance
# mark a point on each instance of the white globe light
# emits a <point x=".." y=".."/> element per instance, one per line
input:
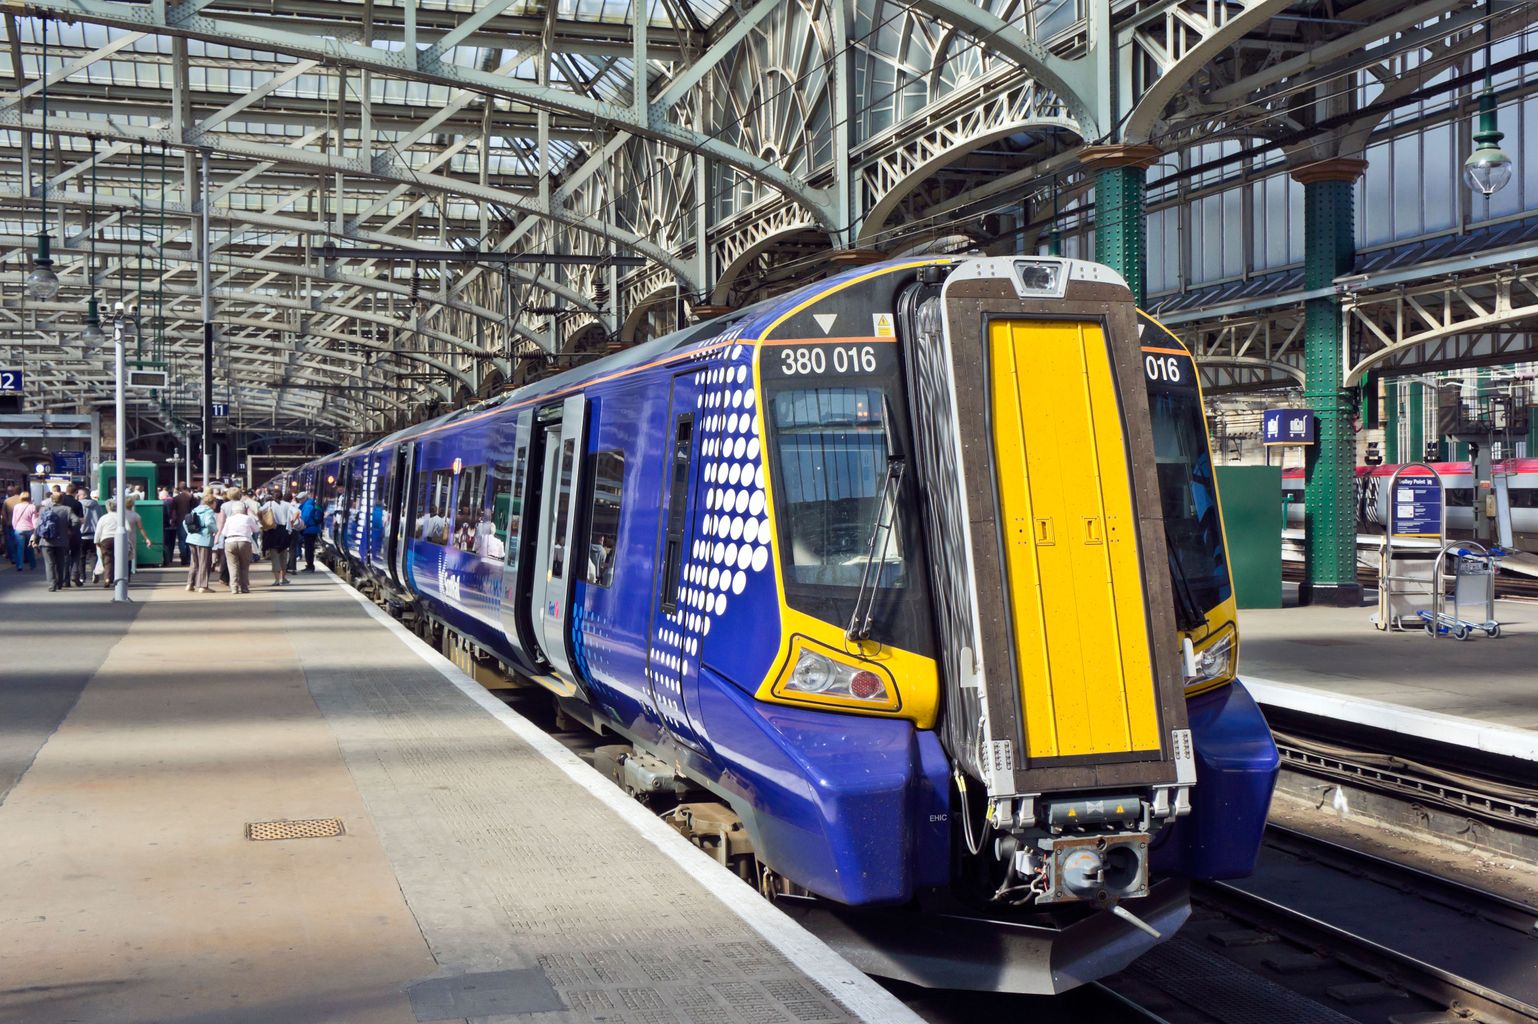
<point x="42" y="282"/>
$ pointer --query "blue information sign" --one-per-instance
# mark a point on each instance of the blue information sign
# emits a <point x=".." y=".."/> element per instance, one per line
<point x="12" y="381"/>
<point x="69" y="463"/>
<point x="1288" y="426"/>
<point x="220" y="408"/>
<point x="1416" y="507"/>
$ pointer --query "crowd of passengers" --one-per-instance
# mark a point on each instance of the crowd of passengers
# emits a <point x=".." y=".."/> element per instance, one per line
<point x="220" y="531"/>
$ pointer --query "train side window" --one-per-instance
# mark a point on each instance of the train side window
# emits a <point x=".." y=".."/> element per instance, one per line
<point x="468" y="508"/>
<point x="678" y="491"/>
<point x="608" y="488"/>
<point x="1460" y="497"/>
<point x="433" y="508"/>
<point x="492" y="542"/>
<point x="562" y="509"/>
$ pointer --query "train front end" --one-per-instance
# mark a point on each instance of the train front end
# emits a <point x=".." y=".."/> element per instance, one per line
<point x="996" y="518"/>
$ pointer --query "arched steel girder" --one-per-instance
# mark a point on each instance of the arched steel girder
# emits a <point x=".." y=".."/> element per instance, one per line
<point x="1150" y="106"/>
<point x="1070" y="80"/>
<point x="379" y="169"/>
<point x="301" y="271"/>
<point x="875" y="220"/>
<point x="1252" y="362"/>
<point x="261" y="300"/>
<point x="423" y="65"/>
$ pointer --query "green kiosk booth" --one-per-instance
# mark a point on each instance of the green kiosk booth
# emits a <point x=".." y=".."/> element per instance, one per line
<point x="141" y="478"/>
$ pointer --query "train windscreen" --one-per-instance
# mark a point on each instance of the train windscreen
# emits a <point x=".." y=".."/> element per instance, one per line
<point x="1187" y="488"/>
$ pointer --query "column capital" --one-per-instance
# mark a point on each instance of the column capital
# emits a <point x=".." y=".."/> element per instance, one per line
<point x="1104" y="158"/>
<point x="1338" y="168"/>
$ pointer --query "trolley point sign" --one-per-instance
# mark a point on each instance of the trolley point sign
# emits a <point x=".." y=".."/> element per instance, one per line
<point x="1416" y="503"/>
<point x="1288" y="426"/>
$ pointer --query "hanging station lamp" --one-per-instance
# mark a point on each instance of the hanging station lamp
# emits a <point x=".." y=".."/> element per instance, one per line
<point x="42" y="282"/>
<point x="1488" y="168"/>
<point x="92" y="334"/>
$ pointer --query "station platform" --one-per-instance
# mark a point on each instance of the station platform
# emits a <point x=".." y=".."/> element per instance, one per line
<point x="483" y="872"/>
<point x="1479" y="693"/>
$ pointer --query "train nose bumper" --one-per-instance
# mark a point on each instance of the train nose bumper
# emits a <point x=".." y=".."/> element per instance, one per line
<point x="1236" y="766"/>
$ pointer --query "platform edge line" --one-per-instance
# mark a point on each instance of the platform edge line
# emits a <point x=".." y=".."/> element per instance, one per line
<point x="856" y="992"/>
<point x="1490" y="737"/>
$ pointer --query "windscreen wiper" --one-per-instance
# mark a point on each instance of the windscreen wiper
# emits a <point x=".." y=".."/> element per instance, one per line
<point x="1188" y="615"/>
<point x="881" y="532"/>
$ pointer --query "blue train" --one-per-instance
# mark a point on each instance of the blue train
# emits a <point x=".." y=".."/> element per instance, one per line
<point x="917" y="572"/>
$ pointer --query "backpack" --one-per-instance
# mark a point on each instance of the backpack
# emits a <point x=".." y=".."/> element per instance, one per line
<point x="312" y="517"/>
<point x="192" y="523"/>
<point x="48" y="526"/>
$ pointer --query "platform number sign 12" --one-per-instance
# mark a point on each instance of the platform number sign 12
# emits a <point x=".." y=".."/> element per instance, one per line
<point x="11" y="381"/>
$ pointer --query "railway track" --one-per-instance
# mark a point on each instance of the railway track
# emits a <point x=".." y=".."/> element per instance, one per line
<point x="1326" y="933"/>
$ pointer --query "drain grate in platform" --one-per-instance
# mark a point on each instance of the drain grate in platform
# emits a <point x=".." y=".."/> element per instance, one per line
<point x="311" y="828"/>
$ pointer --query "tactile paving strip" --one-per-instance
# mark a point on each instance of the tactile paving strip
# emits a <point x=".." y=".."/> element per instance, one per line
<point x="309" y="828"/>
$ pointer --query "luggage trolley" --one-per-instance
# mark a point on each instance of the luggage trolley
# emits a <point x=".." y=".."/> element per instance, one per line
<point x="1473" y="582"/>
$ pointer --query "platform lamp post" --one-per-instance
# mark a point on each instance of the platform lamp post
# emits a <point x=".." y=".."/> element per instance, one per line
<point x="124" y="329"/>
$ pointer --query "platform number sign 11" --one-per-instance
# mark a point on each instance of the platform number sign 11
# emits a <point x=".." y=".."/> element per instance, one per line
<point x="11" y="381"/>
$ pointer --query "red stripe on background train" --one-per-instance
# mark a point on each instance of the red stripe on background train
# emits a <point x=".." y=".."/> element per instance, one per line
<point x="1457" y="478"/>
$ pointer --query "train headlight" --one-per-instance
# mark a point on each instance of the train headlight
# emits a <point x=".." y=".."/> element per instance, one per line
<point x="1046" y="278"/>
<point x="1214" y="663"/>
<point x="825" y="678"/>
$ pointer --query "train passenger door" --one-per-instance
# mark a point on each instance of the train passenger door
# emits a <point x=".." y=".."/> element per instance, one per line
<point x="673" y="653"/>
<point x="402" y="511"/>
<point x="1082" y="652"/>
<point x="558" y="558"/>
<point x="524" y="488"/>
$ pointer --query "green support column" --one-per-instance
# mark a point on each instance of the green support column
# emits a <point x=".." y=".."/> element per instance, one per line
<point x="1121" y="238"/>
<point x="1329" y="246"/>
<point x="1391" y="422"/>
<point x="1417" y="413"/>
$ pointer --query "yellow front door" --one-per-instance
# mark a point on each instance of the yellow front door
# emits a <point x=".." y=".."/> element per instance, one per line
<point x="1086" y="678"/>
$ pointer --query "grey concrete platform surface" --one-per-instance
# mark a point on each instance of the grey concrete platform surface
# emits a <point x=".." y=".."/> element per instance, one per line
<point x="484" y="872"/>
<point x="1479" y="692"/>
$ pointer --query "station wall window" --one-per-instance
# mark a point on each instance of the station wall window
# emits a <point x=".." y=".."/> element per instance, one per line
<point x="469" y="506"/>
<point x="433" y="506"/>
<point x="608" y="492"/>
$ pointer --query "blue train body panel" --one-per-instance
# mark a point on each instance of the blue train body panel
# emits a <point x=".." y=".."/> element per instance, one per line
<point x="1236" y="766"/>
<point x="856" y="808"/>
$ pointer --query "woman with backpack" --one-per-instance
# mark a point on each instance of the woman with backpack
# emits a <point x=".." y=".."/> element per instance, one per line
<point x="54" y="534"/>
<point x="200" y="526"/>
<point x="279" y="518"/>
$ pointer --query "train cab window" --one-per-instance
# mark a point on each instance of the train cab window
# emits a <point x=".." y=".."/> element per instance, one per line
<point x="493" y="543"/>
<point x="433" y="507"/>
<point x="608" y="477"/>
<point x="471" y="522"/>
<point x="1188" y="492"/>
<point x="832" y="446"/>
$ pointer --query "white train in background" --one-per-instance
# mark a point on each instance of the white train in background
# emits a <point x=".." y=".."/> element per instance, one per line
<point x="1458" y="479"/>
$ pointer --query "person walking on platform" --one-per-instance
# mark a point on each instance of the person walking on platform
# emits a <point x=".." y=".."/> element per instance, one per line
<point x="56" y="528"/>
<point x="200" y="543"/>
<point x="310" y="516"/>
<point x="83" y="557"/>
<point x="106" y="537"/>
<point x="23" y="522"/>
<point x="12" y="497"/>
<point x="280" y="521"/>
<point x="183" y="503"/>
<point x="239" y="533"/>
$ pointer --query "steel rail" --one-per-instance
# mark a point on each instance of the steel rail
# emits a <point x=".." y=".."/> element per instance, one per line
<point x="1458" y="993"/>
